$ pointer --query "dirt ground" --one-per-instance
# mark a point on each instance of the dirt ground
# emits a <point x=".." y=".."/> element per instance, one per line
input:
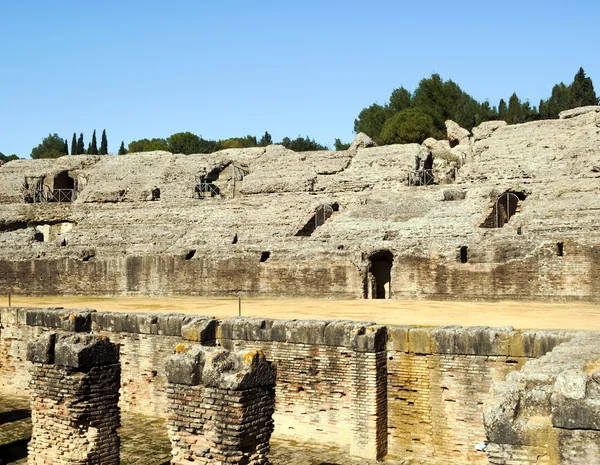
<point x="523" y="315"/>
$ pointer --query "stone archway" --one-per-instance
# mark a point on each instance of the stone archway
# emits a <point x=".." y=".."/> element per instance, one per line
<point x="379" y="276"/>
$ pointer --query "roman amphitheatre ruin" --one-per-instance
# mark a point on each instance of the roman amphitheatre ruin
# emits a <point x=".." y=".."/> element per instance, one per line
<point x="353" y="269"/>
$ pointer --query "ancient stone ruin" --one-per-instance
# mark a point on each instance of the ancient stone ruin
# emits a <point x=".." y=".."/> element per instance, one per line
<point x="220" y="406"/>
<point x="510" y="213"/>
<point x="75" y="381"/>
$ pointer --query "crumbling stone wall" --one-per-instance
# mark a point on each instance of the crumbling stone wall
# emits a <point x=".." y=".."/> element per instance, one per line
<point x="121" y="242"/>
<point x="74" y="400"/>
<point x="220" y="406"/>
<point x="337" y="384"/>
<point x="548" y="412"/>
<point x="438" y="380"/>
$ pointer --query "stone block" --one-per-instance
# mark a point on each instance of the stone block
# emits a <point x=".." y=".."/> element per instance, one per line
<point x="246" y="329"/>
<point x="420" y="341"/>
<point x="186" y="365"/>
<point x="481" y="340"/>
<point x="306" y="331"/>
<point x="9" y="315"/>
<point x="443" y="339"/>
<point x="373" y="339"/>
<point x="83" y="352"/>
<point x="397" y="338"/>
<point x="344" y="333"/>
<point x="42" y="349"/>
<point x="199" y="329"/>
<point x="60" y="318"/>
<point x="170" y="324"/>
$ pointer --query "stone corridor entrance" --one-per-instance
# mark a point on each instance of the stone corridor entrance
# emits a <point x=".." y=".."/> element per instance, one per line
<point x="379" y="275"/>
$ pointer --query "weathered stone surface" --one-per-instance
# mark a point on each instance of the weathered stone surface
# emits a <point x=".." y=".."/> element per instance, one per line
<point x="529" y="412"/>
<point x="199" y="329"/>
<point x="578" y="112"/>
<point x="456" y="134"/>
<point x="217" y="367"/>
<point x="485" y="130"/>
<point x="74" y="401"/>
<point x="117" y="242"/>
<point x="42" y="349"/>
<point x="362" y="141"/>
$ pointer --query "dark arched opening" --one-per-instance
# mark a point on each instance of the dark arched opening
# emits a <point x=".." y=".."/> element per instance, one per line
<point x="380" y="275"/>
<point x="64" y="187"/>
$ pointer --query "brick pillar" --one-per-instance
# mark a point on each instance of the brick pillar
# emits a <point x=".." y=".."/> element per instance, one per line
<point x="220" y="406"/>
<point x="74" y="394"/>
<point x="369" y="394"/>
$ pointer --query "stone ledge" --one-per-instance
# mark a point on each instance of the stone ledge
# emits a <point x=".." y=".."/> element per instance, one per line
<point x="74" y="320"/>
<point x="476" y="340"/>
<point x="360" y="336"/>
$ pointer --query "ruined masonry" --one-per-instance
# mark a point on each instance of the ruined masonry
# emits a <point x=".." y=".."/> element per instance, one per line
<point x="548" y="413"/>
<point x="507" y="212"/>
<point x="75" y="383"/>
<point x="220" y="406"/>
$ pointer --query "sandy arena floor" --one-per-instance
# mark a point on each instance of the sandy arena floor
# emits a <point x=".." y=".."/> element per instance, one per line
<point x="523" y="315"/>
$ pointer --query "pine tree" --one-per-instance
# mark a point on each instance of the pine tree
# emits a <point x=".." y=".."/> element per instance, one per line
<point x="93" y="147"/>
<point x="103" y="144"/>
<point x="74" y="145"/>
<point x="80" y="146"/>
<point x="66" y="148"/>
<point x="122" y="150"/>
<point x="582" y="91"/>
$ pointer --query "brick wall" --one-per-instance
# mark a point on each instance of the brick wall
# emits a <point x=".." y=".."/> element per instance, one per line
<point x="439" y="379"/>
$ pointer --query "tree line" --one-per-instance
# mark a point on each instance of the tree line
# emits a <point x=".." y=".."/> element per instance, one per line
<point x="414" y="116"/>
<point x="406" y="117"/>
<point x="188" y="143"/>
<point x="55" y="146"/>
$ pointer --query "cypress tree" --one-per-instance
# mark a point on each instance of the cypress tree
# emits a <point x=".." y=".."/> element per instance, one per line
<point x="103" y="144"/>
<point x="74" y="145"/>
<point x="582" y="91"/>
<point x="93" y="148"/>
<point x="122" y="150"/>
<point x="80" y="146"/>
<point x="502" y="110"/>
<point x="66" y="148"/>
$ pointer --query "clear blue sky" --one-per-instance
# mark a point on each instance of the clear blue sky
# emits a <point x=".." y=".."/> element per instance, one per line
<point x="231" y="68"/>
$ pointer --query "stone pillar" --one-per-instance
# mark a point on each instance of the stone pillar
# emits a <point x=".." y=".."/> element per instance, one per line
<point x="75" y="383"/>
<point x="220" y="406"/>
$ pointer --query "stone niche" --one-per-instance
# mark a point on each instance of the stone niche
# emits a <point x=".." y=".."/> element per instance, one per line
<point x="220" y="406"/>
<point x="75" y="382"/>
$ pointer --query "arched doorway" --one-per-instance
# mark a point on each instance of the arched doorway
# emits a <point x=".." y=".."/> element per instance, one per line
<point x="379" y="276"/>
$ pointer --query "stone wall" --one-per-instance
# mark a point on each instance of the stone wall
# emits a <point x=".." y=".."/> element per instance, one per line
<point x="549" y="411"/>
<point x="74" y="400"/>
<point x="421" y="396"/>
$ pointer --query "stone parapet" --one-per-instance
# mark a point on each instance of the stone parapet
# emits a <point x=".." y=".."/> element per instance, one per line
<point x="476" y="340"/>
<point x="220" y="406"/>
<point x="74" y="395"/>
<point x="361" y="336"/>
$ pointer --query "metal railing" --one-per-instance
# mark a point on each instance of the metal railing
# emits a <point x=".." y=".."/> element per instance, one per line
<point x="43" y="194"/>
<point x="421" y="178"/>
<point x="205" y="189"/>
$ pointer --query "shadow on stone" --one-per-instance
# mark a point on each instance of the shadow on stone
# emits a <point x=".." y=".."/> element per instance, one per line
<point x="13" y="451"/>
<point x="14" y="415"/>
